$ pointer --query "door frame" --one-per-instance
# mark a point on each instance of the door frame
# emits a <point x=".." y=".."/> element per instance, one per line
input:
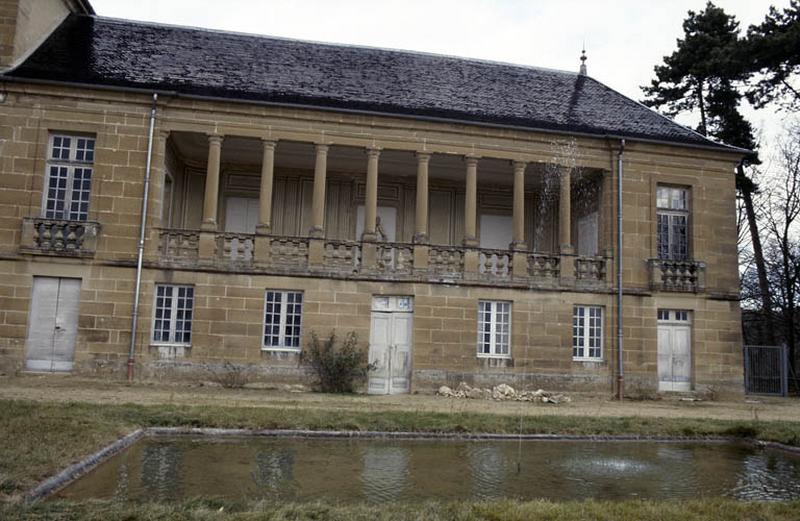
<point x="53" y="366"/>
<point x="392" y="308"/>
<point x="672" y="322"/>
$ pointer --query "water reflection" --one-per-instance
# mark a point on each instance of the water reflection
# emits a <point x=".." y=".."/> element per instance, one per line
<point x="385" y="472"/>
<point x="164" y="469"/>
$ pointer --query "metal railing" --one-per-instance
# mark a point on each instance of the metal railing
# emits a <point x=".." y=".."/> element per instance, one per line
<point x="766" y="370"/>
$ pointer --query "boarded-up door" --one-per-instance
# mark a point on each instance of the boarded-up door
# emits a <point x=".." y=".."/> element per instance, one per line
<point x="53" y="324"/>
<point x="390" y="344"/>
<point x="674" y="351"/>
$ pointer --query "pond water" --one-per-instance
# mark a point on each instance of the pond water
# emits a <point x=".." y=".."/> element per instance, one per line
<point x="380" y="470"/>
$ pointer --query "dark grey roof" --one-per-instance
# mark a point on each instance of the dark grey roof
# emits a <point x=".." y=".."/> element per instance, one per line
<point x="109" y="52"/>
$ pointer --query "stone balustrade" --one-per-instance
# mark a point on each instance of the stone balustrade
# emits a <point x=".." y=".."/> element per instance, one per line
<point x="392" y="261"/>
<point x="178" y="245"/>
<point x="59" y="237"/>
<point x="342" y="256"/>
<point x="590" y="269"/>
<point x="677" y="275"/>
<point x="494" y="264"/>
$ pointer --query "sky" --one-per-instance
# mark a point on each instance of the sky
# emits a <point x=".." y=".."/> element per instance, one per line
<point x="624" y="39"/>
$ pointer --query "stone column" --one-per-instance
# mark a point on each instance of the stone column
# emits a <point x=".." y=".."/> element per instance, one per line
<point x="207" y="240"/>
<point x="421" y="218"/>
<point x="318" y="201"/>
<point x="316" y="244"/>
<point x="565" y="212"/>
<point x="519" y="206"/>
<point x="606" y="215"/>
<point x="264" y="226"/>
<point x="212" y="184"/>
<point x="471" y="255"/>
<point x="471" y="202"/>
<point x="567" y="262"/>
<point x="158" y="178"/>
<point x="421" y="250"/>
<point x="519" y="261"/>
<point x="371" y="201"/>
<point x="369" y="248"/>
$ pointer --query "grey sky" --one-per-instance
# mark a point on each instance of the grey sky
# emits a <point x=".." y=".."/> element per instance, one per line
<point x="624" y="39"/>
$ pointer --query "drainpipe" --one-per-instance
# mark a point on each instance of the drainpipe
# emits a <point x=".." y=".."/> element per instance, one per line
<point x="620" y="369"/>
<point x="140" y="250"/>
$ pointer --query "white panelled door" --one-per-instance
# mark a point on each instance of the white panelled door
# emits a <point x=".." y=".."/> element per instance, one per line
<point x="390" y="344"/>
<point x="241" y="214"/>
<point x="496" y="231"/>
<point x="53" y="325"/>
<point x="587" y="235"/>
<point x="674" y="350"/>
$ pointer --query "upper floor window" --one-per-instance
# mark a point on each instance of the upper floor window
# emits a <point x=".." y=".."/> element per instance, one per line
<point x="672" y="214"/>
<point x="69" y="177"/>
<point x="494" y="328"/>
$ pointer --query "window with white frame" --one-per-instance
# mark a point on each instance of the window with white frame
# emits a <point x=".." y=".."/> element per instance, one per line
<point x="672" y="222"/>
<point x="587" y="333"/>
<point x="69" y="177"/>
<point x="172" y="318"/>
<point x="283" y="313"/>
<point x="494" y="329"/>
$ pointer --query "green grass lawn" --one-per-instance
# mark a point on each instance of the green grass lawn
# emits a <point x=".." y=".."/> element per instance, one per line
<point x="39" y="439"/>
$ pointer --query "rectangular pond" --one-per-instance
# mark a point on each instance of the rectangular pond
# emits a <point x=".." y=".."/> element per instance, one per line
<point x="170" y="468"/>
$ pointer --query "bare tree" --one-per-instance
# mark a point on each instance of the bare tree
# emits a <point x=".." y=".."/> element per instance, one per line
<point x="781" y="220"/>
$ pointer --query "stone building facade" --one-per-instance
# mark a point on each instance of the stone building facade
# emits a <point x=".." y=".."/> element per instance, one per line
<point x="458" y="215"/>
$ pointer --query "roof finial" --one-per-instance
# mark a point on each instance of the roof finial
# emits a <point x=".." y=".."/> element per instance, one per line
<point x="582" y="70"/>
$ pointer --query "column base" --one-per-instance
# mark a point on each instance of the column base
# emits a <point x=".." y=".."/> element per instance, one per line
<point x="208" y="226"/>
<point x="207" y="245"/>
<point x="518" y="246"/>
<point x="316" y="253"/>
<point x="369" y="236"/>
<point x="316" y="232"/>
<point x="471" y="242"/>
<point x="567" y="249"/>
<point x="263" y="229"/>
<point x="261" y="249"/>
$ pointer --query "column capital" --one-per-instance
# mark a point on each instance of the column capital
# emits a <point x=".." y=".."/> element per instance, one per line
<point x="423" y="157"/>
<point x="215" y="139"/>
<point x="471" y="159"/>
<point x="321" y="148"/>
<point x="374" y="151"/>
<point x="269" y="142"/>
<point x="519" y="165"/>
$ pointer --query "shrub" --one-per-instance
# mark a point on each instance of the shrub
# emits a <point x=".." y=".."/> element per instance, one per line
<point x="338" y="367"/>
<point x="230" y="376"/>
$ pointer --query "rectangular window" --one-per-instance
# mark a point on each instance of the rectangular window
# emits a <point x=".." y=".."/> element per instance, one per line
<point x="283" y="313"/>
<point x="672" y="214"/>
<point x="172" y="319"/>
<point x="69" y="177"/>
<point x="494" y="329"/>
<point x="587" y="333"/>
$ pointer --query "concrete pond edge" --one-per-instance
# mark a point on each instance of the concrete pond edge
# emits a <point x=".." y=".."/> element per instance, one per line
<point x="54" y="483"/>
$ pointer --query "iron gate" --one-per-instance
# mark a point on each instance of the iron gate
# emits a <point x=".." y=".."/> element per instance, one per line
<point x="766" y="370"/>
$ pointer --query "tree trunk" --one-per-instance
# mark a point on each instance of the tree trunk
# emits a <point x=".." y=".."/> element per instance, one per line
<point x="758" y="254"/>
<point x="701" y="102"/>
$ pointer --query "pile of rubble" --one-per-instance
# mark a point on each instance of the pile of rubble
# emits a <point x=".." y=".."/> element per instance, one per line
<point x="502" y="392"/>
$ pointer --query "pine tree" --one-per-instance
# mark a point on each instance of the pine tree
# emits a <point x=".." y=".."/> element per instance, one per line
<point x="702" y="75"/>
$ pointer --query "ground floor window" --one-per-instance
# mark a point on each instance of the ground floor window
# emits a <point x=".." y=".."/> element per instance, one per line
<point x="494" y="328"/>
<point x="587" y="333"/>
<point x="172" y="319"/>
<point x="283" y="311"/>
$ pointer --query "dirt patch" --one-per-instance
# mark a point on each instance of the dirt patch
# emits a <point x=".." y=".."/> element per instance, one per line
<point x="76" y="389"/>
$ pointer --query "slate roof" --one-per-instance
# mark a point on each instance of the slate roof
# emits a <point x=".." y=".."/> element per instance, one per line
<point x="190" y="61"/>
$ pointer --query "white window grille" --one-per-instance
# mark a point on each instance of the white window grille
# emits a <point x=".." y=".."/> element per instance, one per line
<point x="587" y="333"/>
<point x="494" y="329"/>
<point x="672" y="215"/>
<point x="172" y="319"/>
<point x="283" y="312"/>
<point x="69" y="177"/>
